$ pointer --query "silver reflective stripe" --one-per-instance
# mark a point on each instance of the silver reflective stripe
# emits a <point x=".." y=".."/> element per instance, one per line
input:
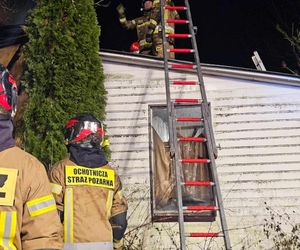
<point x="8" y="233"/>
<point x="68" y="216"/>
<point x="109" y="202"/>
<point x="55" y="188"/>
<point x="7" y="229"/>
<point x="89" y="246"/>
<point x="42" y="205"/>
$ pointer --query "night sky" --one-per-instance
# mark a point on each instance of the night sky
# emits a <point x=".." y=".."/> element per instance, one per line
<point x="228" y="30"/>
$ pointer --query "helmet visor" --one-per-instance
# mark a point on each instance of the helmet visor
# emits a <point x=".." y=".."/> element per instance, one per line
<point x="87" y="128"/>
<point x="8" y="93"/>
<point x="94" y="127"/>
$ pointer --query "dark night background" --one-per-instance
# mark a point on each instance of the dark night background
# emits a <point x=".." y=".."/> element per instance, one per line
<point x="228" y="30"/>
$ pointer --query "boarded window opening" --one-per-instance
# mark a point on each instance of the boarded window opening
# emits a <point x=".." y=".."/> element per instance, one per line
<point x="163" y="185"/>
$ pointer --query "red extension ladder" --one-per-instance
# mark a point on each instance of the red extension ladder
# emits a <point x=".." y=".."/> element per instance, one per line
<point x="204" y="121"/>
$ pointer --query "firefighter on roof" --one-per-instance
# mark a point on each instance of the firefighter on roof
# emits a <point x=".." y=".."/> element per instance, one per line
<point x="157" y="33"/>
<point x="28" y="216"/>
<point x="87" y="190"/>
<point x="144" y="26"/>
<point x="149" y="29"/>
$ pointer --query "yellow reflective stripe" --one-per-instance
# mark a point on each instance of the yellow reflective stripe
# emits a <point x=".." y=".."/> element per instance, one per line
<point x="152" y="21"/>
<point x="155" y="2"/>
<point x="144" y="43"/>
<point x="109" y="201"/>
<point x="68" y="216"/>
<point x="41" y="205"/>
<point x="168" y="29"/>
<point x="8" y="227"/>
<point x="167" y="14"/>
<point x="55" y="188"/>
<point x="105" y="143"/>
<point x="123" y="20"/>
<point x="13" y="229"/>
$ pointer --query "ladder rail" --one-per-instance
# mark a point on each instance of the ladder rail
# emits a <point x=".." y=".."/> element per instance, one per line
<point x="174" y="148"/>
<point x="208" y="131"/>
<point x="172" y="131"/>
<point x="178" y="167"/>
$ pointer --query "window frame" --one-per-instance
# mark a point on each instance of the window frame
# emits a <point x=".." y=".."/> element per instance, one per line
<point x="171" y="215"/>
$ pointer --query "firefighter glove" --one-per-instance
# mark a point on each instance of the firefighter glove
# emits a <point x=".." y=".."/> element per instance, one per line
<point x="119" y="225"/>
<point x="118" y="244"/>
<point x="121" y="9"/>
<point x="144" y="44"/>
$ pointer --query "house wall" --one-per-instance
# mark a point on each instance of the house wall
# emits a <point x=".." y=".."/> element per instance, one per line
<point x="256" y="120"/>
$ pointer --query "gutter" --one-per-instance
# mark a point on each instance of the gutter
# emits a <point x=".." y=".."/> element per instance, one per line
<point x="207" y="69"/>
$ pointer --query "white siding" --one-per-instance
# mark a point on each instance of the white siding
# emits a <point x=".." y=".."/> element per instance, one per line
<point x="257" y="127"/>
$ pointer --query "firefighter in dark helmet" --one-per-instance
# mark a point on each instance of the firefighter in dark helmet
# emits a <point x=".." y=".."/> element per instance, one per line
<point x="149" y="27"/>
<point x="87" y="190"/>
<point x="28" y="214"/>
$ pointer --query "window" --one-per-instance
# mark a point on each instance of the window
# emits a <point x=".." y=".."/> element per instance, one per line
<point x="163" y="185"/>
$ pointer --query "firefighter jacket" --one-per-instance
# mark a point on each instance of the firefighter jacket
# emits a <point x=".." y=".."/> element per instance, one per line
<point x="168" y="14"/>
<point x="88" y="198"/>
<point x="142" y="25"/>
<point x="157" y="38"/>
<point x="28" y="214"/>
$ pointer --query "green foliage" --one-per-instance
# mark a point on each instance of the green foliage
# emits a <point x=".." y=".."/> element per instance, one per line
<point x="64" y="73"/>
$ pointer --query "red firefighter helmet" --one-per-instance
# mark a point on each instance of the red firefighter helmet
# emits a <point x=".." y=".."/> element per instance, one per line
<point x="8" y="94"/>
<point x="135" y="48"/>
<point x="84" y="130"/>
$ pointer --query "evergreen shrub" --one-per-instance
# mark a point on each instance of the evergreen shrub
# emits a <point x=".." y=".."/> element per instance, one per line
<point x="64" y="73"/>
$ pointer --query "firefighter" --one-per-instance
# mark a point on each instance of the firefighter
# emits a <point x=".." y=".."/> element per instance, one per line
<point x="28" y="214"/>
<point x="87" y="189"/>
<point x="157" y="38"/>
<point x="144" y="26"/>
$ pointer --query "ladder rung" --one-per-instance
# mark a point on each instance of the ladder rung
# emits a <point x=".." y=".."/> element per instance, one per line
<point x="183" y="100"/>
<point x="179" y="35"/>
<point x="200" y="160"/>
<point x="200" y="208"/>
<point x="196" y="139"/>
<point x="181" y="50"/>
<point x="168" y="7"/>
<point x="183" y="66"/>
<point x="185" y="82"/>
<point x="179" y="21"/>
<point x="204" y="235"/>
<point x="189" y="119"/>
<point x="198" y="183"/>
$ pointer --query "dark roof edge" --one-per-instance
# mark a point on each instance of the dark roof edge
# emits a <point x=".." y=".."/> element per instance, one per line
<point x="207" y="69"/>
